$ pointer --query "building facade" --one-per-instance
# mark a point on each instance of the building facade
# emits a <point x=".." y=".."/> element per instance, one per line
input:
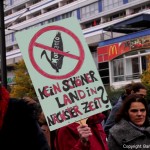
<point x="122" y="60"/>
<point x="93" y="16"/>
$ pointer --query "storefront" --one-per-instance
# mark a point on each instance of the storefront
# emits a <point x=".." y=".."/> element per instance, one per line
<point x="122" y="60"/>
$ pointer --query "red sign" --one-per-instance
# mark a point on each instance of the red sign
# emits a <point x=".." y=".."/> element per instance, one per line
<point x="79" y="58"/>
<point x="110" y="52"/>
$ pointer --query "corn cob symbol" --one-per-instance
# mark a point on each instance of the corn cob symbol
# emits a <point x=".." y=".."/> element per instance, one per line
<point x="55" y="60"/>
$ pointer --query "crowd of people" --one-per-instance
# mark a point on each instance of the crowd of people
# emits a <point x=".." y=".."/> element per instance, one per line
<point x="23" y="125"/>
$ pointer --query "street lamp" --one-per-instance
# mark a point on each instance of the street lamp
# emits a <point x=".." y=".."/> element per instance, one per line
<point x="3" y="70"/>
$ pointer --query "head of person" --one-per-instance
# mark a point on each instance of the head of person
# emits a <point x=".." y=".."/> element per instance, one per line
<point x="135" y="110"/>
<point x="127" y="90"/>
<point x="139" y="88"/>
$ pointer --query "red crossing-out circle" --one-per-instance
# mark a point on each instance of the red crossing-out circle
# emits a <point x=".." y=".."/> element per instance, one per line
<point x="33" y="43"/>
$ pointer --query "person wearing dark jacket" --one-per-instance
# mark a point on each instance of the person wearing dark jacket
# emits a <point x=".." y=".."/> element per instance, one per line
<point x="90" y="136"/>
<point x="19" y="129"/>
<point x="132" y="128"/>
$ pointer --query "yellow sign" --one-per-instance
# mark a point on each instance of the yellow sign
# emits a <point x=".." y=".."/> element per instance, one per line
<point x="112" y="50"/>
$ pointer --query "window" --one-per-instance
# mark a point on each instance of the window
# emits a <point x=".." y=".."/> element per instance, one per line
<point x="118" y="70"/>
<point x="110" y="4"/>
<point x="52" y="20"/>
<point x="145" y="51"/>
<point x="8" y="49"/>
<point x="35" y="1"/>
<point x="141" y="8"/>
<point x="131" y="1"/>
<point x="104" y="72"/>
<point x="13" y="37"/>
<point x="145" y="61"/>
<point x="116" y="16"/>
<point x="16" y="1"/>
<point x="20" y="7"/>
<point x="50" y="8"/>
<point x="89" y="10"/>
<point x="94" y="54"/>
<point x="8" y="38"/>
<point x="132" y="68"/>
<point x="21" y="20"/>
<point x="38" y="13"/>
<point x="69" y="14"/>
<point x="70" y="1"/>
<point x="9" y="12"/>
<point x="8" y="2"/>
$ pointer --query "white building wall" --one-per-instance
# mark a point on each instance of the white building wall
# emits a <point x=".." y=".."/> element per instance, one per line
<point x="93" y="35"/>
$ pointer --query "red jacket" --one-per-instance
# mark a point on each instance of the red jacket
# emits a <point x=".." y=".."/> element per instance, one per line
<point x="68" y="136"/>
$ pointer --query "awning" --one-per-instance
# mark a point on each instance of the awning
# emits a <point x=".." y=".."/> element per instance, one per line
<point x="131" y="25"/>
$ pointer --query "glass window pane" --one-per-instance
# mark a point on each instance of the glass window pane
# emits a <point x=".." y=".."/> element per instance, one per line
<point x="103" y="65"/>
<point x="131" y="53"/>
<point x="87" y="9"/>
<point x="104" y="73"/>
<point x="105" y="80"/>
<point x="145" y="60"/>
<point x="118" y="70"/>
<point x="132" y="68"/>
<point x="145" y="51"/>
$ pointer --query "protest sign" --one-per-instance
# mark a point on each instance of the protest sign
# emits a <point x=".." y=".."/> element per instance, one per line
<point x="63" y="72"/>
